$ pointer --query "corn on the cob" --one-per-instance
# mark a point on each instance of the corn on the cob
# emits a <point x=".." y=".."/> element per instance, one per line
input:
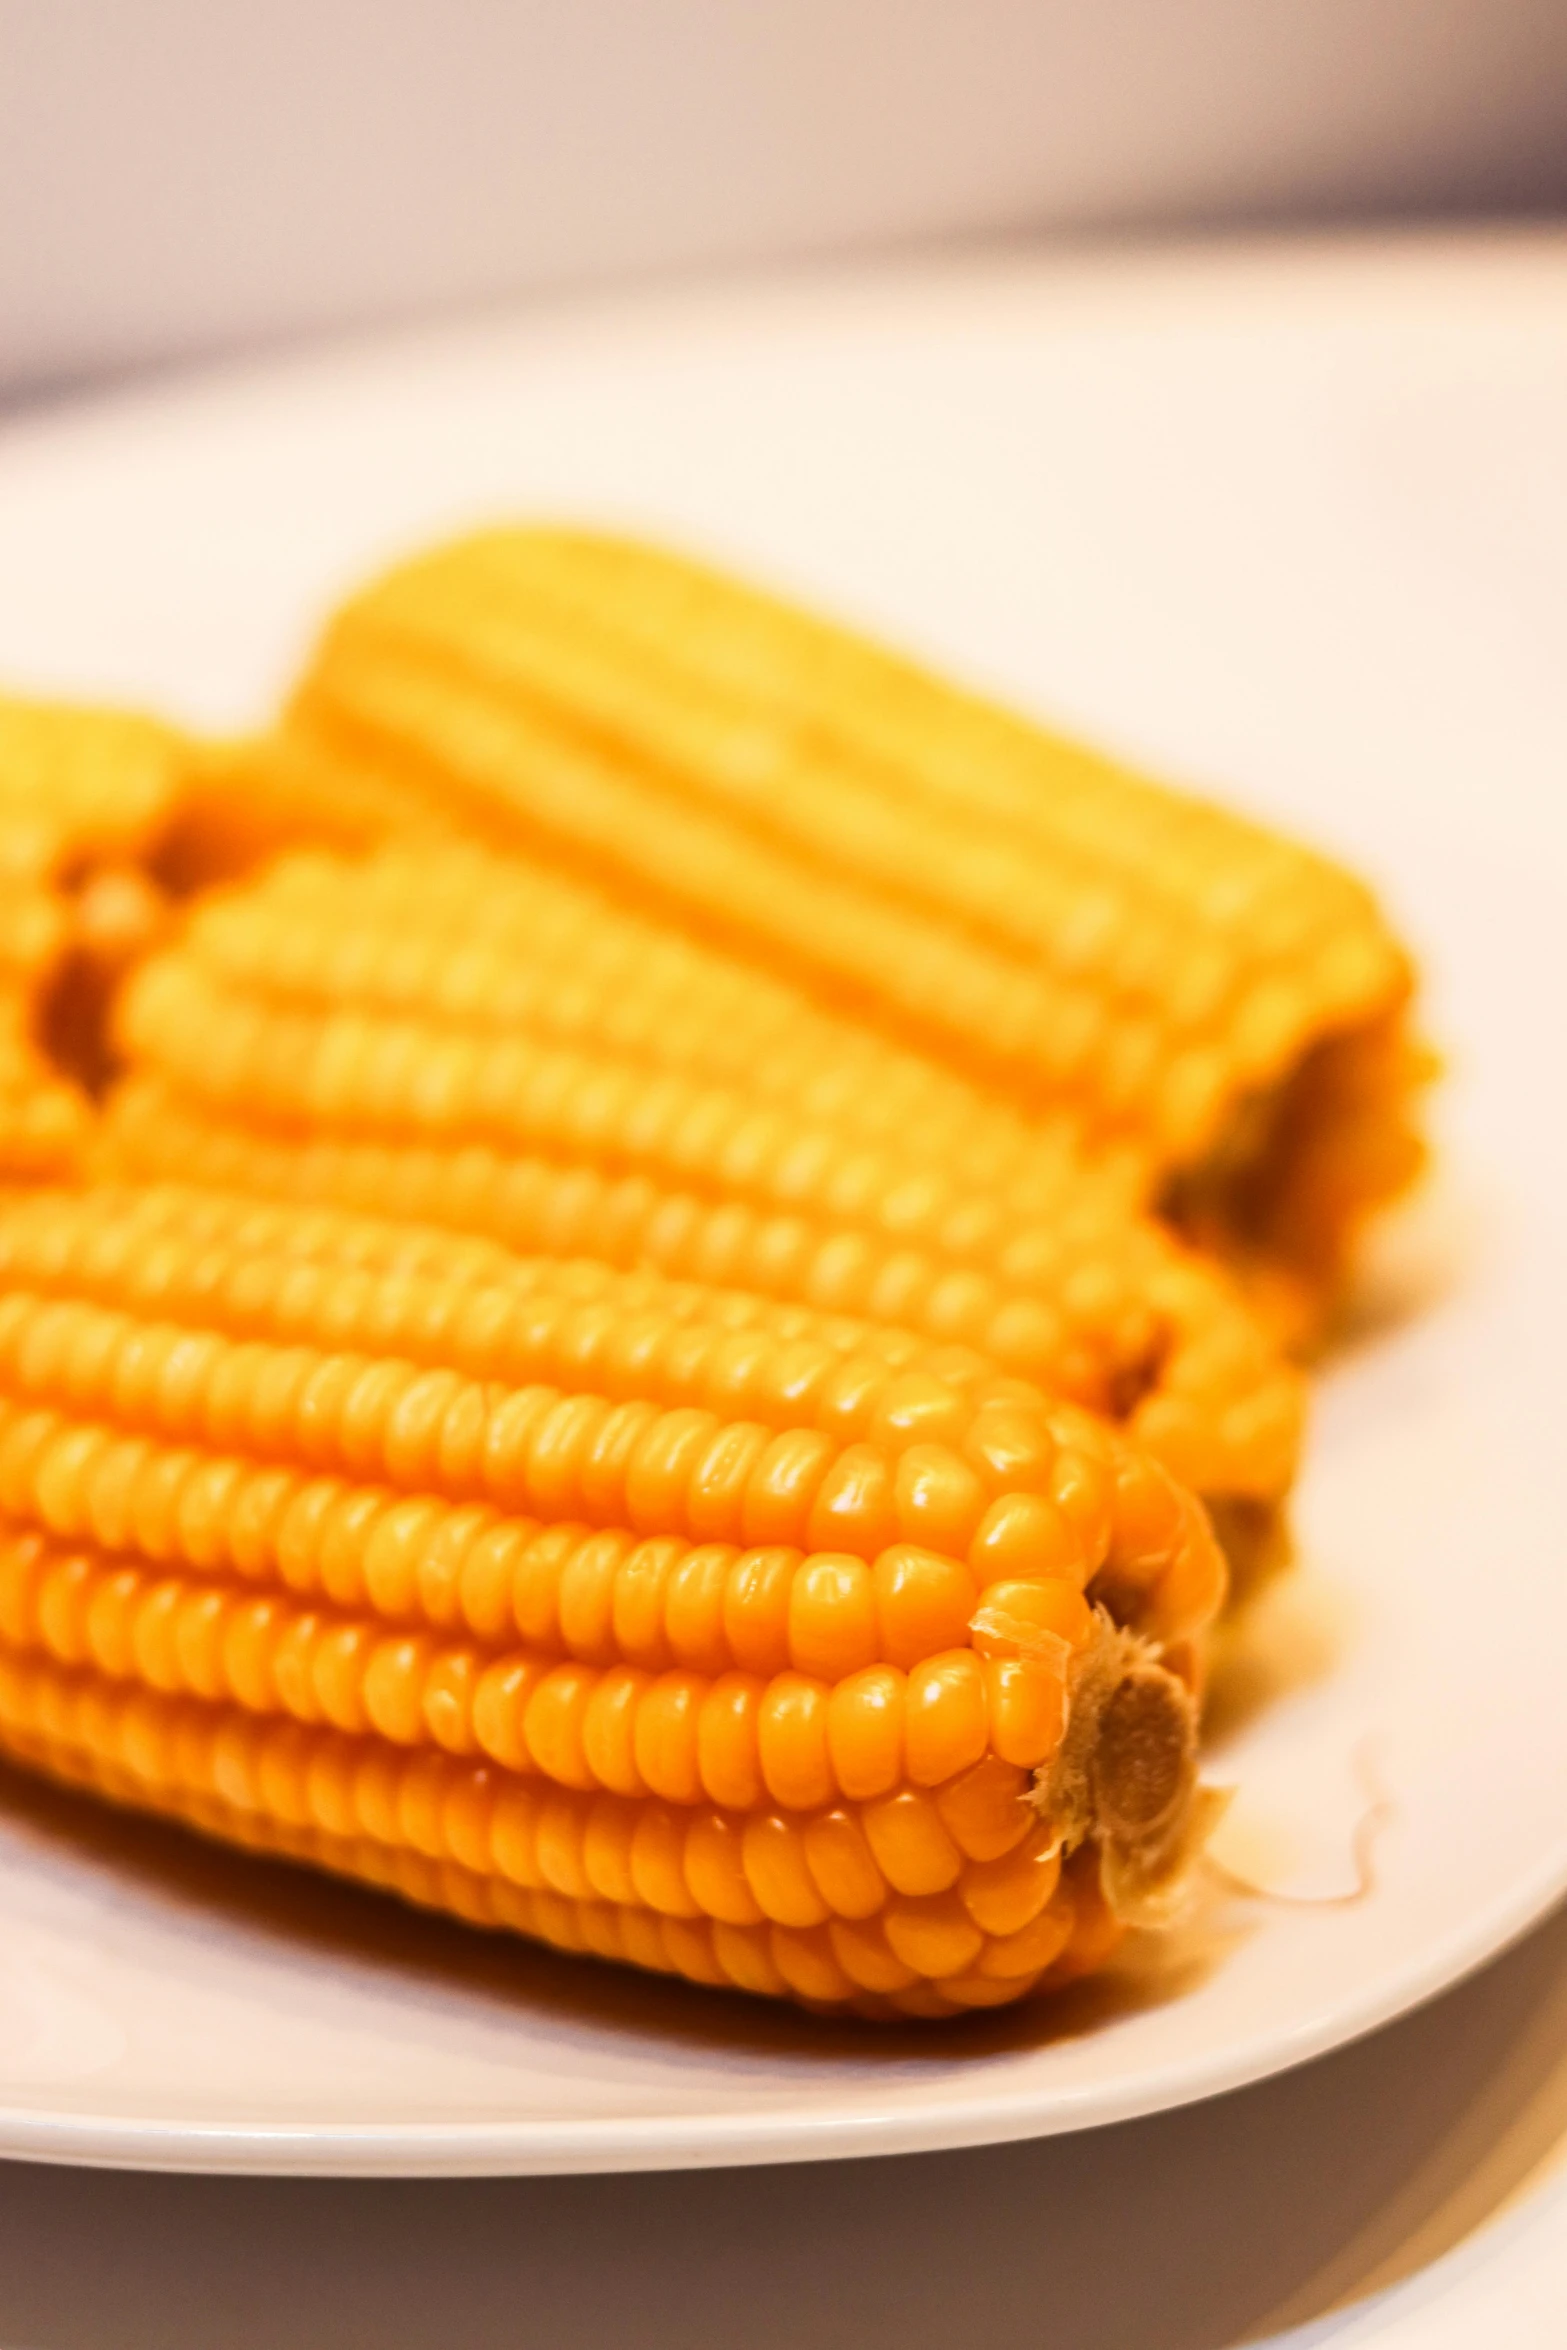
<point x="678" y="1627"/>
<point x="1228" y="1001"/>
<point x="448" y="1033"/>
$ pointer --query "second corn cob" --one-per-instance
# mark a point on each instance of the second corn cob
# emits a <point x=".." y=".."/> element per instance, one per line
<point x="505" y="1050"/>
<point x="1229" y="1003"/>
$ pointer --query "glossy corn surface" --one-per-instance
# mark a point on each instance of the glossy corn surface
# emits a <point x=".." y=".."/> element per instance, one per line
<point x="1049" y="922"/>
<point x="480" y="1043"/>
<point x="654" y="1621"/>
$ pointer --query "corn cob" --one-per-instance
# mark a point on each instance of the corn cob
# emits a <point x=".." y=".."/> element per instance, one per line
<point x="1232" y="1004"/>
<point x="682" y="1628"/>
<point x="500" y="1049"/>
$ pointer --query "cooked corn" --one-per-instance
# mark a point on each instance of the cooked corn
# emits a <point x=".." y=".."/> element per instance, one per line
<point x="1232" y="1004"/>
<point x="448" y="1033"/>
<point x="678" y="1627"/>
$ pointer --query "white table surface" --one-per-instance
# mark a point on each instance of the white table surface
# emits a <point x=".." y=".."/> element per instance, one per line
<point x="1409" y="2193"/>
<point x="1406" y="2194"/>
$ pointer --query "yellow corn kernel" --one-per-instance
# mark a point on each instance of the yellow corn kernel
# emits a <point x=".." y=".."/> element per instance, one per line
<point x="778" y="1872"/>
<point x="715" y="1870"/>
<point x="863" y="1951"/>
<point x="934" y="1935"/>
<point x="910" y="1843"/>
<point x="1095" y="1931"/>
<point x="664" y="1741"/>
<point x="1027" y="1702"/>
<point x="946" y="1722"/>
<point x="986" y="1811"/>
<point x="866" y="1730"/>
<point x="833" y="1627"/>
<point x="1003" y="1896"/>
<point x="1032" y="1618"/>
<point x="840" y="1859"/>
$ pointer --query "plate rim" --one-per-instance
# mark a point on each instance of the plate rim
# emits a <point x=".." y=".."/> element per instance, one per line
<point x="603" y="2146"/>
<point x="847" y="2121"/>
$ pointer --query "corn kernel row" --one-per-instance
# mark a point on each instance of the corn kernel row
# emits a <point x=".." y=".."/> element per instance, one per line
<point x="109" y="1421"/>
<point x="249" y="1269"/>
<point x="587" y="1879"/>
<point x="733" y="1736"/>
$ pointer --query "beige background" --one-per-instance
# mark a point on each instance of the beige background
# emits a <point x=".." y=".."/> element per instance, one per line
<point x="179" y="175"/>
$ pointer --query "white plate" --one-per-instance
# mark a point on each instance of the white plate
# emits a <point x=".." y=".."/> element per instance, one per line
<point x="1294" y="524"/>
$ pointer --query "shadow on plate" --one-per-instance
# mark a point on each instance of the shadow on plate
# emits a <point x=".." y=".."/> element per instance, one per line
<point x="1411" y="1262"/>
<point x="221" y="1890"/>
<point x="1290" y="1634"/>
